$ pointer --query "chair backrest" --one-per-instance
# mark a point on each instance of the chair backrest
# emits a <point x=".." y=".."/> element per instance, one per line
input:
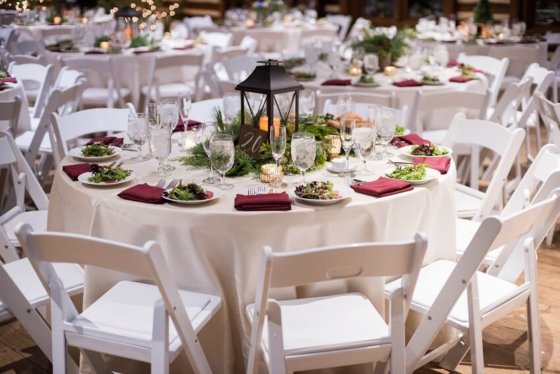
<point x="492" y="233"/>
<point x="357" y="27"/>
<point x="550" y="115"/>
<point x="502" y="141"/>
<point x="326" y="102"/>
<point x="239" y="68"/>
<point x="22" y="180"/>
<point x="36" y="79"/>
<point x="146" y="262"/>
<point x="542" y="79"/>
<point x="9" y="112"/>
<point x="28" y="59"/>
<point x="505" y="111"/>
<point x="297" y="268"/>
<point x="219" y="55"/>
<point x="519" y="57"/>
<point x="194" y="24"/>
<point x="85" y="122"/>
<point x="494" y="67"/>
<point x="342" y="21"/>
<point x="249" y="43"/>
<point x="328" y="36"/>
<point x="27" y="47"/>
<point x="68" y="77"/>
<point x="216" y="39"/>
<point x="435" y="110"/>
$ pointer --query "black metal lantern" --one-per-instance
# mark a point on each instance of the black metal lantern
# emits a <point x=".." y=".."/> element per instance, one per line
<point x="127" y="21"/>
<point x="274" y="85"/>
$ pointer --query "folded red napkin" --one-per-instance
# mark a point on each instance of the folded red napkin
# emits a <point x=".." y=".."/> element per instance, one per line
<point x="143" y="193"/>
<point x="74" y="171"/>
<point x="8" y="80"/>
<point x="410" y="139"/>
<point x="95" y="52"/>
<point x="269" y="201"/>
<point x="141" y="51"/>
<point x="461" y="79"/>
<point x="453" y="63"/>
<point x="109" y="140"/>
<point x="383" y="187"/>
<point x="190" y="46"/>
<point x="337" y="82"/>
<point x="407" y="83"/>
<point x="181" y="125"/>
<point x="440" y="164"/>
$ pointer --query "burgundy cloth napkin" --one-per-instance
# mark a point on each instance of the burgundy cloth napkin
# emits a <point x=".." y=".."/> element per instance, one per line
<point x="407" y="83"/>
<point x="461" y="79"/>
<point x="8" y="80"/>
<point x="453" y="63"/>
<point x="109" y="140"/>
<point x="440" y="164"/>
<point x="181" y="125"/>
<point x="94" y="52"/>
<point x="268" y="201"/>
<point x="337" y="82"/>
<point x="143" y="193"/>
<point x="383" y="187"/>
<point x="410" y="139"/>
<point x="74" y="171"/>
<point x="190" y="46"/>
<point x="141" y="51"/>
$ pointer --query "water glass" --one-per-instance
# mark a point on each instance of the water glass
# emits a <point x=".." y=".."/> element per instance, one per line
<point x="222" y="156"/>
<point x="138" y="132"/>
<point x="153" y="117"/>
<point x="373" y="111"/>
<point x="184" y="105"/>
<point x="347" y="126"/>
<point x="364" y="142"/>
<point x="344" y="105"/>
<point x="277" y="147"/>
<point x="371" y="63"/>
<point x="168" y="111"/>
<point x="386" y="125"/>
<point x="306" y="102"/>
<point x="160" y="146"/>
<point x="208" y="130"/>
<point x="303" y="151"/>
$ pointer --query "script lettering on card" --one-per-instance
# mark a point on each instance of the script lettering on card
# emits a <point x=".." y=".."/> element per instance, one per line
<point x="250" y="140"/>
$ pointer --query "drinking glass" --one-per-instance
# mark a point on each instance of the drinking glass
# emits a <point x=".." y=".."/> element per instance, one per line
<point x="160" y="146"/>
<point x="364" y="142"/>
<point x="168" y="113"/>
<point x="153" y="117"/>
<point x="347" y="126"/>
<point x="306" y="102"/>
<point x="138" y="132"/>
<point x="303" y="151"/>
<point x="278" y="147"/>
<point x="222" y="155"/>
<point x="386" y="124"/>
<point x="184" y="102"/>
<point x="208" y="130"/>
<point x="373" y="110"/>
<point x="232" y="106"/>
<point x="371" y="63"/>
<point x="344" y="105"/>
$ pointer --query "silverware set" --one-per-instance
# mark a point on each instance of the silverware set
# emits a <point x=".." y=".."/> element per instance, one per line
<point x="256" y="189"/>
<point x="172" y="184"/>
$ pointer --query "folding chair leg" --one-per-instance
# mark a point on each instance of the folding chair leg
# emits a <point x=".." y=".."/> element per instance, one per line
<point x="455" y="355"/>
<point x="475" y="327"/>
<point x="549" y="237"/>
<point x="160" y="348"/>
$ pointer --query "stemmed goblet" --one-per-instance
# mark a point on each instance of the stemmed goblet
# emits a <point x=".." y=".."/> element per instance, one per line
<point x="222" y="155"/>
<point x="347" y="126"/>
<point x="138" y="132"/>
<point x="278" y="147"/>
<point x="303" y="151"/>
<point x="364" y="142"/>
<point x="160" y="146"/>
<point x="386" y="125"/>
<point x="168" y="113"/>
<point x="208" y="130"/>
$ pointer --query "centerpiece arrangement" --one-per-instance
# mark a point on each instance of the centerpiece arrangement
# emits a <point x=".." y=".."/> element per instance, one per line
<point x="388" y="43"/>
<point x="265" y="11"/>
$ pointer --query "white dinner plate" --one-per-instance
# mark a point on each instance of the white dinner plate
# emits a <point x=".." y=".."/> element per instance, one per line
<point x="431" y="174"/>
<point x="406" y="151"/>
<point x="363" y="84"/>
<point x="215" y="195"/>
<point x="77" y="154"/>
<point x="351" y="169"/>
<point x="344" y="192"/>
<point x="84" y="178"/>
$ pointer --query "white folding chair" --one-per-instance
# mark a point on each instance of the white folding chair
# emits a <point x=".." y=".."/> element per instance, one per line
<point x="505" y="111"/>
<point x="28" y="59"/>
<point x="37" y="81"/>
<point x="342" y="22"/>
<point x="216" y="38"/>
<point x="103" y="87"/>
<point x="9" y="112"/>
<point x="550" y="115"/>
<point x="519" y="60"/>
<point x="219" y="56"/>
<point x="172" y="74"/>
<point x="456" y="294"/>
<point x="249" y="43"/>
<point x="27" y="47"/>
<point x="495" y="68"/>
<point x="240" y="67"/>
<point x="477" y="135"/>
<point x="431" y="113"/>
<point x="337" y="330"/>
<point x="357" y="27"/>
<point x="68" y="77"/>
<point x="132" y="319"/>
<point x="85" y="122"/>
<point x="326" y="102"/>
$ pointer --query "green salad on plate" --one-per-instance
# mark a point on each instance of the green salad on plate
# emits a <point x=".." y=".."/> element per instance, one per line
<point x="97" y="150"/>
<point x="188" y="192"/>
<point x="409" y="173"/>
<point x="108" y="174"/>
<point x="317" y="190"/>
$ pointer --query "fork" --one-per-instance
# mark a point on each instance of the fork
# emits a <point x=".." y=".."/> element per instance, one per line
<point x="173" y="183"/>
<point x="161" y="183"/>
<point x="256" y="190"/>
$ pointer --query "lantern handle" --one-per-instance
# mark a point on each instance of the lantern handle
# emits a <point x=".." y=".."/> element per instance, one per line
<point x="269" y="62"/>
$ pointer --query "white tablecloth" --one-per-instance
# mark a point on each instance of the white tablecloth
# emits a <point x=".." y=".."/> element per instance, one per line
<point x="214" y="248"/>
<point x="16" y="89"/>
<point x="39" y="32"/>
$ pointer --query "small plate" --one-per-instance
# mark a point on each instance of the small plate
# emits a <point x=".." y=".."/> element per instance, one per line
<point x="77" y="154"/>
<point x="215" y="195"/>
<point x="84" y="178"/>
<point x="429" y="83"/>
<point x="344" y="192"/>
<point x="406" y="152"/>
<point x="431" y="174"/>
<point x="351" y="169"/>
<point x="362" y="84"/>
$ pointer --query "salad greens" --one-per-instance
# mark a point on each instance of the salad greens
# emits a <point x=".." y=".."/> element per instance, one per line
<point x="409" y="173"/>
<point x="317" y="190"/>
<point x="191" y="191"/>
<point x="428" y="150"/>
<point x="107" y="174"/>
<point x="304" y="75"/>
<point x="430" y="78"/>
<point x="97" y="150"/>
<point x="367" y="79"/>
<point x="399" y="130"/>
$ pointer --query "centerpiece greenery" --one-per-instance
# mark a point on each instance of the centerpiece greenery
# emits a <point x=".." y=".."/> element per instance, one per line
<point x="265" y="9"/>
<point x="317" y="125"/>
<point x="389" y="44"/>
<point x="483" y="12"/>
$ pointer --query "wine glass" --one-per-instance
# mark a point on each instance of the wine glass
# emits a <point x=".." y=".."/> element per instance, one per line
<point x="208" y="130"/>
<point x="386" y="124"/>
<point x="184" y="104"/>
<point x="344" y="105"/>
<point x="303" y="151"/>
<point x="306" y="102"/>
<point x="364" y="142"/>
<point x="373" y="110"/>
<point x="160" y="146"/>
<point x="347" y="126"/>
<point x="138" y="132"/>
<point x="278" y="147"/>
<point x="232" y="105"/>
<point x="153" y="117"/>
<point x="371" y="63"/>
<point x="222" y="156"/>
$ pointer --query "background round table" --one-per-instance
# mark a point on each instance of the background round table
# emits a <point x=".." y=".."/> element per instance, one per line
<point x="13" y="90"/>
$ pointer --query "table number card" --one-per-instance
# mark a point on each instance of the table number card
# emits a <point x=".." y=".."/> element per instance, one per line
<point x="250" y="140"/>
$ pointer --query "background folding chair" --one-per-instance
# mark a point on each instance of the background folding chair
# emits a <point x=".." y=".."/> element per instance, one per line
<point x="494" y="67"/>
<point x="342" y="22"/>
<point x="37" y="81"/>
<point x="9" y="114"/>
<point x="337" y="330"/>
<point x="132" y="319"/>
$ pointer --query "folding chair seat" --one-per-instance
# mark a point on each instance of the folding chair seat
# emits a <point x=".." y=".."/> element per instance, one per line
<point x="338" y="330"/>
<point x="9" y="115"/>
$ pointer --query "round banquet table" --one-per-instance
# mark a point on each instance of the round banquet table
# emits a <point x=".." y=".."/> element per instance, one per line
<point x="36" y="32"/>
<point x="24" y="122"/>
<point x="215" y="249"/>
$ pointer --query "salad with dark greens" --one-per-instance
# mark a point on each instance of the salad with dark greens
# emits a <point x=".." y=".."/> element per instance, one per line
<point x="189" y="192"/>
<point x="409" y="173"/>
<point x="317" y="191"/>
<point x="428" y="150"/>
<point x="367" y="79"/>
<point x="108" y="174"/>
<point x="97" y="150"/>
<point x="303" y="75"/>
<point x="430" y="79"/>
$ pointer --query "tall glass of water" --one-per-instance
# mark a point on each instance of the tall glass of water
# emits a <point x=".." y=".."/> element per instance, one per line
<point x="306" y="102"/>
<point x="386" y="125"/>
<point x="303" y="151"/>
<point x="207" y="131"/>
<point x="222" y="156"/>
<point x="160" y="146"/>
<point x="138" y="132"/>
<point x="278" y="147"/>
<point x="168" y="112"/>
<point x="364" y="142"/>
<point x="347" y="126"/>
<point x="184" y="104"/>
